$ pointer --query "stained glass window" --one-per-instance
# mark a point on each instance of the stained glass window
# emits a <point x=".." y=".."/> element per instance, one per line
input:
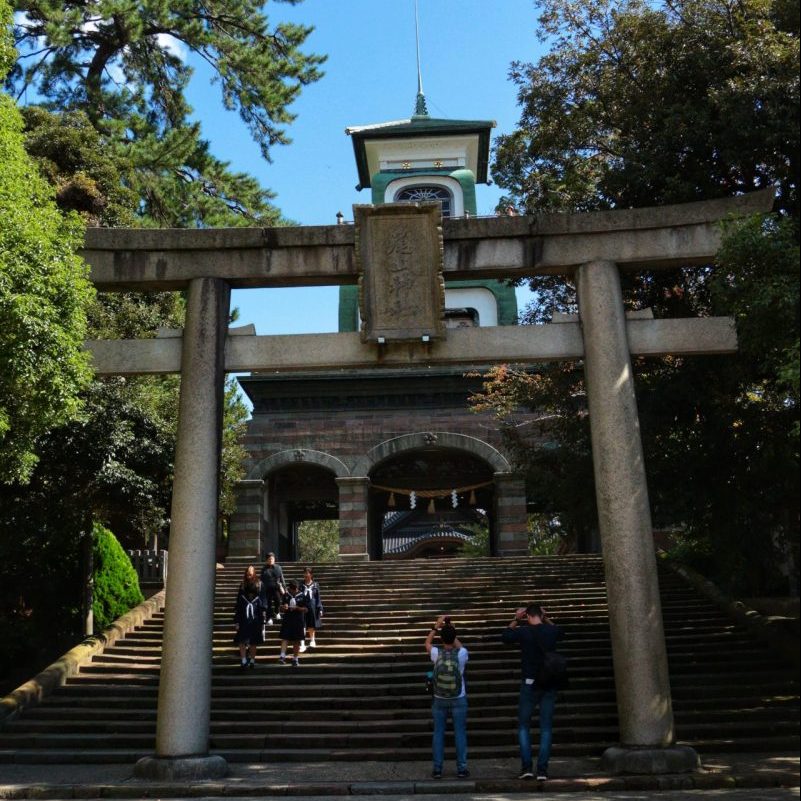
<point x="420" y="193"/>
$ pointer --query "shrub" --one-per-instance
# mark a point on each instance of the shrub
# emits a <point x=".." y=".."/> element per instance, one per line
<point x="116" y="586"/>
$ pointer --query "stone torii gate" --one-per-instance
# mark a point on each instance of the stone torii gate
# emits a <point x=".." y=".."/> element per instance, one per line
<point x="592" y="248"/>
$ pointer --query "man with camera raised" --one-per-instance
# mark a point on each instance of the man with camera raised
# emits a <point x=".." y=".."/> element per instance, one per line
<point x="537" y="636"/>
<point x="449" y="694"/>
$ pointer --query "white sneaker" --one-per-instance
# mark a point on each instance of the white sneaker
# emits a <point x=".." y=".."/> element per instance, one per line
<point x="278" y="616"/>
<point x="302" y="648"/>
<point x="270" y="622"/>
<point x="312" y="644"/>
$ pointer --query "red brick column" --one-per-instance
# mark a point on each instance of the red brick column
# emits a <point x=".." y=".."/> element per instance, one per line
<point x="353" y="498"/>
<point x="244" y="528"/>
<point x="511" y="520"/>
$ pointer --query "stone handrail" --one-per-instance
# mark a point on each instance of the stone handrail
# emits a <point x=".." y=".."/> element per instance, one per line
<point x="55" y="675"/>
<point x="759" y="625"/>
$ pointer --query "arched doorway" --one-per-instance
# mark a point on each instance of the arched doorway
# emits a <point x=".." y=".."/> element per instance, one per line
<point x="429" y="501"/>
<point x="294" y="494"/>
<point x="287" y="488"/>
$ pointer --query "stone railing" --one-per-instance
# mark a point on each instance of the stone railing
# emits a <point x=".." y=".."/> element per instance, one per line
<point x="56" y="674"/>
<point x="150" y="566"/>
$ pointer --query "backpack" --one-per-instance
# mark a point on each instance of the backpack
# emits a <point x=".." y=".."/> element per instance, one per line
<point x="447" y="678"/>
<point x="552" y="673"/>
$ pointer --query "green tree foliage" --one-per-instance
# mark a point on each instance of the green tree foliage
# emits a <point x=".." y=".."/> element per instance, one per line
<point x="116" y="586"/>
<point x="479" y="544"/>
<point x="43" y="297"/>
<point x="125" y="64"/>
<point x="89" y="175"/>
<point x="318" y="541"/>
<point x="641" y="104"/>
<point x="232" y="469"/>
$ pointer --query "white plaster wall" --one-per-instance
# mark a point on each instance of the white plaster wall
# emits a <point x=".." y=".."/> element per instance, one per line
<point x="478" y="298"/>
<point x="453" y="151"/>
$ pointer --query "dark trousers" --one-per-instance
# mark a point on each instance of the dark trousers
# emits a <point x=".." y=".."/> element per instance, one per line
<point x="272" y="599"/>
<point x="530" y="700"/>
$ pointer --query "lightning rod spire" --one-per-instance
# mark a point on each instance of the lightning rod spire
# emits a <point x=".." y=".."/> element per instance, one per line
<point x="420" y="109"/>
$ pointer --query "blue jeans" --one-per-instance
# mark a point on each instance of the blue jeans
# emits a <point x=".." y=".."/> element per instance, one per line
<point x="530" y="699"/>
<point x="440" y="708"/>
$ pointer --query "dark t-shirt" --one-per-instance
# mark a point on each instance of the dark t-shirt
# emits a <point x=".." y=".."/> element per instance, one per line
<point x="272" y="575"/>
<point x="533" y="640"/>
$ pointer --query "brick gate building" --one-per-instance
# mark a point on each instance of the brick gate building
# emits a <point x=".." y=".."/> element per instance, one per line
<point x="395" y="455"/>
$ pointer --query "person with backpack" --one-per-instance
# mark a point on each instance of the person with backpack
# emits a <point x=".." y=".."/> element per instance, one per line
<point x="449" y="694"/>
<point x="542" y="673"/>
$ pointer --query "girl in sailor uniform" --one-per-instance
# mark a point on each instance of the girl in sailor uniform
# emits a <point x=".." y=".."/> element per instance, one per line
<point x="294" y="609"/>
<point x="314" y="607"/>
<point x="249" y="617"/>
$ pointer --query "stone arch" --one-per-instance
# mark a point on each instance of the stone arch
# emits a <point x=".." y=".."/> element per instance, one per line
<point x="440" y="439"/>
<point x="295" y="456"/>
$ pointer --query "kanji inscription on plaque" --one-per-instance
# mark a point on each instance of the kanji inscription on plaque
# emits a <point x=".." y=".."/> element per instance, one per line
<point x="401" y="284"/>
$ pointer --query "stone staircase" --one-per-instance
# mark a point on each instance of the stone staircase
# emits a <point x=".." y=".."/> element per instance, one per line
<point x="360" y="695"/>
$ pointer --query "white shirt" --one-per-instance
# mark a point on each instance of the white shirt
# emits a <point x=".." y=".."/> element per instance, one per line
<point x="461" y="659"/>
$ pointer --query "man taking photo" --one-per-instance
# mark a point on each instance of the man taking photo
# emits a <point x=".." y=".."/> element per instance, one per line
<point x="536" y="635"/>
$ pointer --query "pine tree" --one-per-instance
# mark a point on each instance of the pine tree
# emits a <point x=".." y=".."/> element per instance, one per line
<point x="125" y="64"/>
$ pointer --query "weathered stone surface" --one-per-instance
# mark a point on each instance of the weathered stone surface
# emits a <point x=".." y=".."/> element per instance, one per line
<point x="675" y="759"/>
<point x="181" y="769"/>
<point x="399" y="258"/>
<point x="185" y="683"/>
<point x="56" y="674"/>
<point x="466" y="346"/>
<point x="624" y="515"/>
<point x="667" y="236"/>
<point x="382" y="788"/>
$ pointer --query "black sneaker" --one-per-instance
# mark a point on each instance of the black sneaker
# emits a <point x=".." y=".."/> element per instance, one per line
<point x="463" y="774"/>
<point x="542" y="776"/>
<point x="526" y="773"/>
<point x="436" y="774"/>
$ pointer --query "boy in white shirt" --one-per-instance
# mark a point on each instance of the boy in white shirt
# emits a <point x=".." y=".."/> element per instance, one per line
<point x="450" y="695"/>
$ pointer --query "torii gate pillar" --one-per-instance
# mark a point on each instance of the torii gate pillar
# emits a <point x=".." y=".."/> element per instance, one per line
<point x="635" y="615"/>
<point x="184" y="708"/>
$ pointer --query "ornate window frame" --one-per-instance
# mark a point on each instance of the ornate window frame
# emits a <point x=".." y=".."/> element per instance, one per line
<point x="452" y="186"/>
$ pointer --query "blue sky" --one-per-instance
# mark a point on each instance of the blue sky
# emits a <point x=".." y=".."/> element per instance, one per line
<point x="371" y="76"/>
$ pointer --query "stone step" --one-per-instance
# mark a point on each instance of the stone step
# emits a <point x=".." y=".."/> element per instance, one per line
<point x="406" y="745"/>
<point x="361" y="696"/>
<point x="102" y="704"/>
<point x="252" y="722"/>
<point x="780" y="744"/>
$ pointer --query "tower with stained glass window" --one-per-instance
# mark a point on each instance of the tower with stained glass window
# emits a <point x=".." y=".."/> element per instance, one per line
<point x="424" y="158"/>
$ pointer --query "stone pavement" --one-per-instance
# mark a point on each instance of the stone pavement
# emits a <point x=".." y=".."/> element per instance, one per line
<point x="764" y="775"/>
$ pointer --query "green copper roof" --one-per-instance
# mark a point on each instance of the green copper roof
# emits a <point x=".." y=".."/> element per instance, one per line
<point x="417" y="126"/>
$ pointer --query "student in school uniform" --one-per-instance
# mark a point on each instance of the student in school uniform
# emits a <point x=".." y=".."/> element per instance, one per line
<point x="293" y="607"/>
<point x="249" y="615"/>
<point x="314" y="606"/>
